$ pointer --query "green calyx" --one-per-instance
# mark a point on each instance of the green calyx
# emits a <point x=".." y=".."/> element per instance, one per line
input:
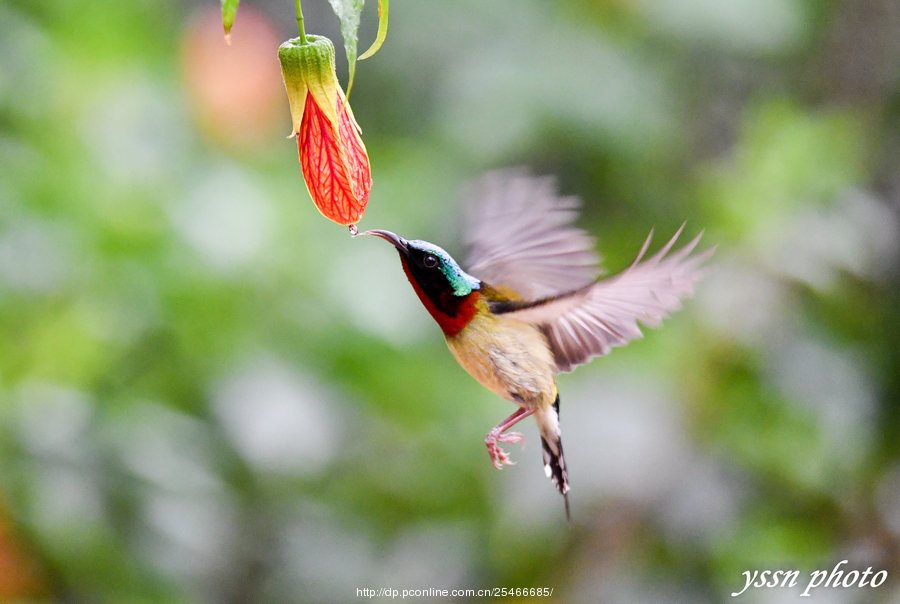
<point x="307" y="65"/>
<point x="300" y="58"/>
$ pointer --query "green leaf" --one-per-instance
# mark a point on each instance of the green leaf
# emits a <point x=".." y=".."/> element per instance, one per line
<point x="347" y="12"/>
<point x="382" y="30"/>
<point x="229" y="9"/>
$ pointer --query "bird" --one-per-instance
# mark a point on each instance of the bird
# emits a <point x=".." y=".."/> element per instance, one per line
<point x="533" y="301"/>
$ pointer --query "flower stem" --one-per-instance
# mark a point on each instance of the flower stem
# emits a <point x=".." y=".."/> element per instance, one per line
<point x="300" y="22"/>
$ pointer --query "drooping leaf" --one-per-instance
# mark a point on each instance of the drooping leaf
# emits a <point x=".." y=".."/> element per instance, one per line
<point x="229" y="9"/>
<point x="382" y="30"/>
<point x="348" y="12"/>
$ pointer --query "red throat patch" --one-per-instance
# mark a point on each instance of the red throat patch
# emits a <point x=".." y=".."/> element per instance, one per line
<point x="465" y="308"/>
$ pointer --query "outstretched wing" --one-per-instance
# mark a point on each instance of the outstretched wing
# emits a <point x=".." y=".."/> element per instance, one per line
<point x="519" y="236"/>
<point x="589" y="321"/>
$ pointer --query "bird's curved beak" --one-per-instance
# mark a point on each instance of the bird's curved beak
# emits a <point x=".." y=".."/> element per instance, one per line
<point x="398" y="241"/>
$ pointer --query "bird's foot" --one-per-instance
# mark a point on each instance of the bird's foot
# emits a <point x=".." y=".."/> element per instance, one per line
<point x="498" y="456"/>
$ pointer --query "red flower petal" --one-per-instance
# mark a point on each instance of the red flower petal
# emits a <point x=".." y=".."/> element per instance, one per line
<point x="334" y="163"/>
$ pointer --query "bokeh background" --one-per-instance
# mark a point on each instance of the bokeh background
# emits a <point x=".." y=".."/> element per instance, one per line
<point x="209" y="393"/>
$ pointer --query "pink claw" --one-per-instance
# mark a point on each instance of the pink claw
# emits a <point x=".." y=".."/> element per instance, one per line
<point x="499" y="457"/>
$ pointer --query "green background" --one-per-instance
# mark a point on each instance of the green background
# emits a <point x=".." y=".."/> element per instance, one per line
<point x="210" y="393"/>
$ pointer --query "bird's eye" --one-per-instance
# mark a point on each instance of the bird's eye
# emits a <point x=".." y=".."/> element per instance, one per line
<point x="429" y="261"/>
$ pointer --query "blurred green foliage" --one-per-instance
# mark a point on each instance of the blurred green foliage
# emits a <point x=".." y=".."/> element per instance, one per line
<point x="209" y="393"/>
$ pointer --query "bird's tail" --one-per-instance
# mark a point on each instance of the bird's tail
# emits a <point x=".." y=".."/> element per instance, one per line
<point x="554" y="462"/>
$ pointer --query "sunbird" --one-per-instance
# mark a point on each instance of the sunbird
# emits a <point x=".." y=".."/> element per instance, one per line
<point x="532" y="304"/>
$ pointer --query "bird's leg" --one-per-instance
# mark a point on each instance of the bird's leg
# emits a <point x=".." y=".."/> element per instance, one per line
<point x="498" y="455"/>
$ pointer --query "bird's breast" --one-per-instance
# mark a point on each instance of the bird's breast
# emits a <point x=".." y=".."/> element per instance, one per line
<point x="508" y="357"/>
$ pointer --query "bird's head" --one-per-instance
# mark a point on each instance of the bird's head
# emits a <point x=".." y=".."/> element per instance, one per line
<point x="431" y="267"/>
<point x="442" y="286"/>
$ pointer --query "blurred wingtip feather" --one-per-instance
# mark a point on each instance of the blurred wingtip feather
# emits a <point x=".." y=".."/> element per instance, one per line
<point x="519" y="235"/>
<point x="592" y="320"/>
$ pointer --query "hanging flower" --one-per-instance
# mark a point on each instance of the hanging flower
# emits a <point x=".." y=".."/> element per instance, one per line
<point x="332" y="154"/>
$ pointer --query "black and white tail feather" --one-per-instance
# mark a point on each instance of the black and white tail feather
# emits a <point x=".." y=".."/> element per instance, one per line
<point x="554" y="460"/>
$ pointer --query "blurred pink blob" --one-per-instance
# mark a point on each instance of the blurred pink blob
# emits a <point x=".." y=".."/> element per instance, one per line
<point x="20" y="577"/>
<point x="235" y="91"/>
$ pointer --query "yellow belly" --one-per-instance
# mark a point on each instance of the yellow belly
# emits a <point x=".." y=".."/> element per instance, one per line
<point x="508" y="357"/>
